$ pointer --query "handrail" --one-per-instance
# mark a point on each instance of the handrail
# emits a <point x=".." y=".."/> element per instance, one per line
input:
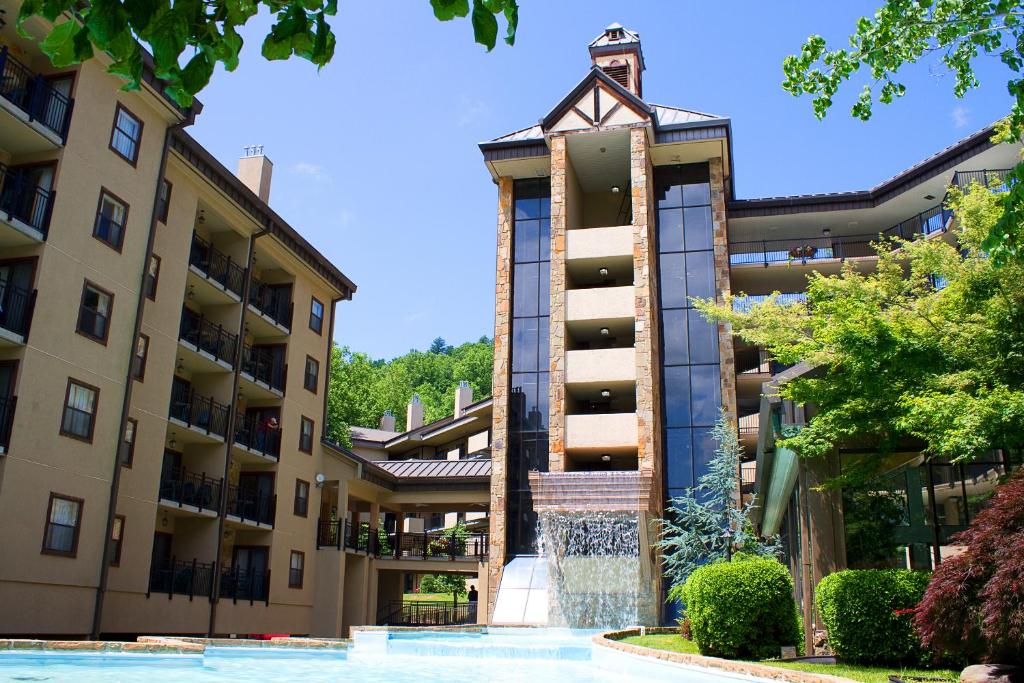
<point x="196" y="411"/>
<point x="22" y="199"/>
<point x="744" y="303"/>
<point x="181" y="577"/>
<point x="426" y="613"/>
<point x="217" y="265"/>
<point x="16" y="308"/>
<point x="247" y="504"/>
<point x="198" y="331"/>
<point x="245" y="584"/>
<point x="263" y="365"/>
<point x="8" y="404"/>
<point x="250" y="433"/>
<point x="271" y="301"/>
<point x="30" y="92"/>
<point x="191" y="488"/>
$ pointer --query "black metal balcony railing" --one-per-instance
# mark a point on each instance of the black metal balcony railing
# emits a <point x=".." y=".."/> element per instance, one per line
<point x="426" y="613"/>
<point x="181" y="577"/>
<point x="745" y="303"/>
<point x="251" y="433"/>
<point x="198" y="412"/>
<point x="273" y="302"/>
<point x="379" y="543"/>
<point x="991" y="178"/>
<point x="7" y="406"/>
<point x="23" y="199"/>
<point x="250" y="505"/>
<point x="207" y="336"/>
<point x="217" y="265"/>
<point x="16" y="307"/>
<point x="31" y="93"/>
<point x="190" y="488"/>
<point x="245" y="584"/>
<point x="264" y="366"/>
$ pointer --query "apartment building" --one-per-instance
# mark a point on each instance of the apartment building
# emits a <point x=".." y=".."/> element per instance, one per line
<point x="612" y="213"/>
<point x="164" y="347"/>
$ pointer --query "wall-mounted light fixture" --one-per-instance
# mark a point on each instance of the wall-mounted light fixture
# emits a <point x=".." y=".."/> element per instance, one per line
<point x="320" y="479"/>
<point x="615" y="189"/>
<point x="603" y="272"/>
<point x="606" y="393"/>
<point x="605" y="331"/>
<point x="606" y="458"/>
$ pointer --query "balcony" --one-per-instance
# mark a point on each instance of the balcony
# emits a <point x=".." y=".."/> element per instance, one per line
<point x="26" y="99"/>
<point x="256" y="439"/>
<point x="16" y="307"/>
<point x="25" y="208"/>
<point x="7" y="406"/>
<point x="221" y="278"/>
<point x="431" y="545"/>
<point x="190" y="491"/>
<point x="210" y="340"/>
<point x="599" y="304"/>
<point x="265" y="369"/>
<point x="745" y="303"/>
<point x="249" y="507"/>
<point x="205" y="418"/>
<point x="608" y="431"/>
<point x="599" y="243"/>
<point x="181" y="577"/>
<point x="273" y="305"/>
<point x="245" y="584"/>
<point x="600" y="366"/>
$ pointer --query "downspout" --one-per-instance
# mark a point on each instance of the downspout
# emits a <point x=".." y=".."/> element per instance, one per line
<point x="129" y="383"/>
<point x="229" y="437"/>
<point x="330" y="357"/>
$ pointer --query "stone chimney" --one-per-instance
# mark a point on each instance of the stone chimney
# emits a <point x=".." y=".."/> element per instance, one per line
<point x="387" y="421"/>
<point x="463" y="397"/>
<point x="617" y="51"/>
<point x="255" y="170"/>
<point x="414" y="414"/>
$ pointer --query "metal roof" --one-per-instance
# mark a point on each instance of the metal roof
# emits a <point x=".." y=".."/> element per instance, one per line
<point x="674" y="116"/>
<point x="447" y="469"/>
<point x="627" y="37"/>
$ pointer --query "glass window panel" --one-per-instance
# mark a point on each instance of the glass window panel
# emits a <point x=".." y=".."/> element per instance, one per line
<point x="526" y="233"/>
<point x="81" y="398"/>
<point x="673" y="324"/>
<point x="64" y="511"/>
<point x="697" y="228"/>
<point x="543" y="349"/>
<point x="670" y="230"/>
<point x="700" y="274"/>
<point x="677" y="396"/>
<point x="679" y="459"/>
<point x="524" y="345"/>
<point x="706" y="392"/>
<point x="543" y="401"/>
<point x="524" y="302"/>
<point x="544" y="239"/>
<point x="696" y="193"/>
<point x="527" y="208"/>
<point x="673" y="280"/>
<point x="703" y="338"/>
<point x="704" y="446"/>
<point x="543" y="289"/>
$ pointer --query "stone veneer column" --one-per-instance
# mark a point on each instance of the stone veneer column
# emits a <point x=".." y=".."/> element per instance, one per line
<point x="499" y="392"/>
<point x="556" y="323"/>
<point x="720" y="229"/>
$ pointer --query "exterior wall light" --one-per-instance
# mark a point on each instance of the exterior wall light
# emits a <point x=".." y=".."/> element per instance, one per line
<point x="603" y="272"/>
<point x="606" y="458"/>
<point x="605" y="332"/>
<point x="826" y="232"/>
<point x="606" y="393"/>
<point x="320" y="479"/>
<point x="615" y="189"/>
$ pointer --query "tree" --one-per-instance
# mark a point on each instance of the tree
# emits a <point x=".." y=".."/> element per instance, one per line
<point x="707" y="524"/>
<point x="439" y="345"/>
<point x="203" y="34"/>
<point x="901" y="362"/>
<point x="901" y="33"/>
<point x="450" y="583"/>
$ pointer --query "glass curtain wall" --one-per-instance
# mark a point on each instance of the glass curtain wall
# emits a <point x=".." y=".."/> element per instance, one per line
<point x="528" y="394"/>
<point x="692" y="391"/>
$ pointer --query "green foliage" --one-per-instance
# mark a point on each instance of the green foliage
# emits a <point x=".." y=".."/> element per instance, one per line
<point x="188" y="38"/>
<point x="903" y="32"/>
<point x="899" y="360"/>
<point x="868" y="614"/>
<point x="693" y="531"/>
<point x="871" y="517"/>
<point x="428" y="584"/>
<point x="742" y="609"/>
<point x="451" y="542"/>
<point x="362" y="388"/>
<point x="455" y="584"/>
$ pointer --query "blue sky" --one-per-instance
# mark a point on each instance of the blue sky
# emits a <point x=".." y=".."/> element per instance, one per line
<point x="375" y="157"/>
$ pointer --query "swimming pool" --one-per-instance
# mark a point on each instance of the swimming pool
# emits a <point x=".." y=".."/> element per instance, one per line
<point x="498" y="656"/>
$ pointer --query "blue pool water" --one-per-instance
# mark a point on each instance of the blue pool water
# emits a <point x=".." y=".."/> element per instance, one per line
<point x="500" y="656"/>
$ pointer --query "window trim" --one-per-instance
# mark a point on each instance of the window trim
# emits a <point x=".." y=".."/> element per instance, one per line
<point x="302" y="569"/>
<point x="92" y="423"/>
<point x="312" y="424"/>
<point x="113" y="129"/>
<point x="78" y="526"/>
<point x="115" y="560"/>
<point x="128" y="458"/>
<point x="119" y="247"/>
<point x="323" y="314"/>
<point x="164" y="210"/>
<point x="86" y="284"/>
<point x="295" y="504"/>
<point x="151" y="295"/>
<point x="305" y="375"/>
<point x="139" y="367"/>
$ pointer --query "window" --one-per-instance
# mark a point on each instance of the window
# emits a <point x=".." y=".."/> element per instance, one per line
<point x="139" y="359"/>
<point x="116" y="538"/>
<point x="316" y="316"/>
<point x="163" y="202"/>
<point x="152" y="276"/>
<point x="111" y="216"/>
<point x="126" y="135"/>
<point x="128" y="442"/>
<point x="63" y="521"/>
<point x="94" y="312"/>
<point x="312" y="376"/>
<point x="301" y="498"/>
<point x="296" y="568"/>
<point x="306" y="435"/>
<point x="80" y="404"/>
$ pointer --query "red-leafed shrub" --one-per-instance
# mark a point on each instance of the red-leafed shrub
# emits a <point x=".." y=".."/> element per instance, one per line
<point x="974" y="604"/>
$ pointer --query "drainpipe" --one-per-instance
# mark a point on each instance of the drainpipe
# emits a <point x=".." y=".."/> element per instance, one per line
<point x="129" y="383"/>
<point x="229" y="437"/>
<point x="330" y="355"/>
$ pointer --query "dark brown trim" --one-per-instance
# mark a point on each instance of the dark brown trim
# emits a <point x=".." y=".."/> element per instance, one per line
<point x="327" y="371"/>
<point x="323" y="315"/>
<point x="302" y="569"/>
<point x="305" y="375"/>
<point x="113" y="128"/>
<point x="96" y="221"/>
<point x="78" y="526"/>
<point x="155" y="279"/>
<point x="611" y="112"/>
<point x="95" y="413"/>
<point x="583" y="115"/>
<point x="295" y="503"/>
<point x="115" y="560"/>
<point x="302" y="421"/>
<point x="129" y="457"/>
<point x="87" y="284"/>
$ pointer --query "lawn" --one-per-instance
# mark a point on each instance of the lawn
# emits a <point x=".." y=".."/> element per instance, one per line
<point x="429" y="597"/>
<point x="865" y="674"/>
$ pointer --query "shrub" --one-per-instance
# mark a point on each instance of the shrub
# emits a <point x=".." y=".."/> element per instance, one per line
<point x="742" y="609"/>
<point x="428" y="584"/>
<point x="974" y="605"/>
<point x="868" y="614"/>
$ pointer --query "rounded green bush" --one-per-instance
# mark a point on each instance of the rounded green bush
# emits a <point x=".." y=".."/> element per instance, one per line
<point x="868" y="614"/>
<point x="742" y="609"/>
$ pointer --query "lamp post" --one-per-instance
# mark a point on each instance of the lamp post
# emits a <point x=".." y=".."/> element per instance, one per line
<point x="727" y="535"/>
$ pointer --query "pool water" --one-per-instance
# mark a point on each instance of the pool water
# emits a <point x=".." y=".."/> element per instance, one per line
<point x="505" y="655"/>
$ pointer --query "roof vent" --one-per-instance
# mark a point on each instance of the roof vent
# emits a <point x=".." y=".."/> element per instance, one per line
<point x="619" y="73"/>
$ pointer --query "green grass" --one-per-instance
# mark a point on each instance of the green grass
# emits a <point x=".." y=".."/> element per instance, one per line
<point x="865" y="674"/>
<point x="429" y="597"/>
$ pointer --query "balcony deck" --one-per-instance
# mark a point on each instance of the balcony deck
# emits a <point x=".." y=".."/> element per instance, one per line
<point x="34" y="117"/>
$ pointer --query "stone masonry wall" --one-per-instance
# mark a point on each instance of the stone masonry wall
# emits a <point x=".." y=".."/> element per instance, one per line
<point x="556" y="325"/>
<point x="722" y="286"/>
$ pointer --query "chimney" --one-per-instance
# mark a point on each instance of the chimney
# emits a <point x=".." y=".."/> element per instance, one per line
<point x="414" y="414"/>
<point x="387" y="421"/>
<point x="255" y="170"/>
<point x="463" y="397"/>
<point x="617" y="51"/>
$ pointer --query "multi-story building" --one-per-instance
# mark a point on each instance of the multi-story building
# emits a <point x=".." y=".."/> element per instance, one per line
<point x="613" y="213"/>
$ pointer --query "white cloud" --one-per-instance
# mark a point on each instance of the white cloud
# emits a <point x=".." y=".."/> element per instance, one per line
<point x="959" y="116"/>
<point x="317" y="173"/>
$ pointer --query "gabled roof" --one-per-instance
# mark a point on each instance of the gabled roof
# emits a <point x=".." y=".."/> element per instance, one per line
<point x="596" y="74"/>
<point x="603" y="40"/>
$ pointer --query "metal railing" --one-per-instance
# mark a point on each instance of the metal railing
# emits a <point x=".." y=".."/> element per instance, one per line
<point x="16" y="307"/>
<point x="426" y="613"/>
<point x="249" y="505"/>
<point x="745" y="303"/>
<point x="991" y="178"/>
<point x="380" y="543"/>
<point x="217" y="265"/>
<point x="207" y="336"/>
<point x="272" y="302"/>
<point x="183" y="487"/>
<point x="245" y="584"/>
<point x="182" y="578"/>
<point x="198" y="412"/>
<point x="252" y="434"/>
<point x="264" y="366"/>
<point x="30" y="92"/>
<point x="7" y="407"/>
<point x="24" y="200"/>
